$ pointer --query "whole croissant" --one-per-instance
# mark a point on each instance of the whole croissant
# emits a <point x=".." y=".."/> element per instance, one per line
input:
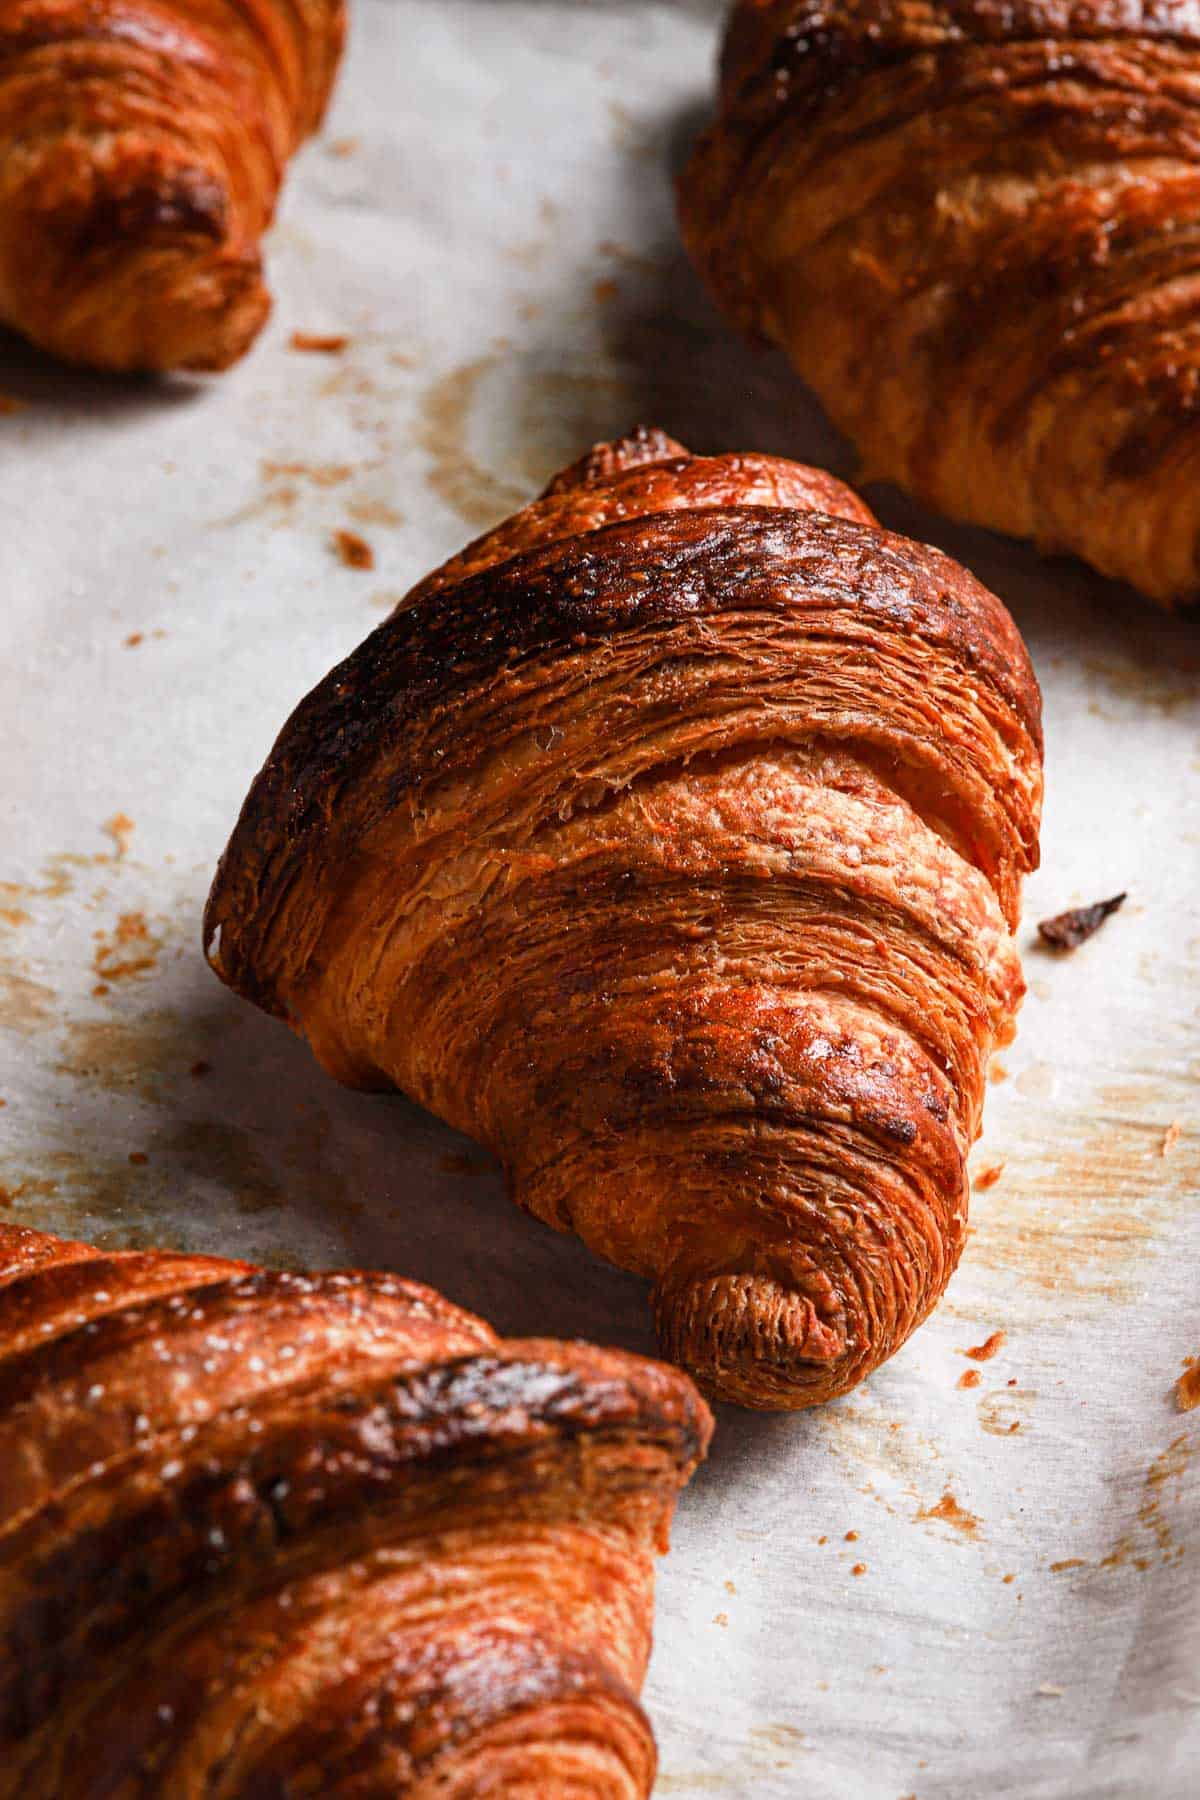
<point x="264" y="1535"/>
<point x="669" y="841"/>
<point x="973" y="226"/>
<point x="142" y="146"/>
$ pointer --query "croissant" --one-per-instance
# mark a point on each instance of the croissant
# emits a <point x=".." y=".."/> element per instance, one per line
<point x="972" y="225"/>
<point x="266" y="1534"/>
<point x="669" y="841"/>
<point x="142" y="147"/>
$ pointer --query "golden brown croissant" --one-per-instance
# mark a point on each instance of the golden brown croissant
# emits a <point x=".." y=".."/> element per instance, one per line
<point x="142" y="146"/>
<point x="973" y="226"/>
<point x="264" y="1535"/>
<point x="668" y="841"/>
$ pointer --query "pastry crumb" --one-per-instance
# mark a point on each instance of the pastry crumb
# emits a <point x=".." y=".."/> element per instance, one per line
<point x="1171" y="1137"/>
<point x="1187" y="1388"/>
<point x="970" y="1378"/>
<point x="984" y="1352"/>
<point x="988" y="1176"/>
<point x="1067" y="930"/>
<point x="353" y="550"/>
<point x="321" y="343"/>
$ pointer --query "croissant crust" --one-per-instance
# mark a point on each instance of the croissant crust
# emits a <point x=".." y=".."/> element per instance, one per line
<point x="142" y="147"/>
<point x="669" y="841"/>
<point x="973" y="227"/>
<point x="268" y="1534"/>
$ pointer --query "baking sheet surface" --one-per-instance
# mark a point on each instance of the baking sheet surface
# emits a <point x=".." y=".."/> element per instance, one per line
<point x="487" y="218"/>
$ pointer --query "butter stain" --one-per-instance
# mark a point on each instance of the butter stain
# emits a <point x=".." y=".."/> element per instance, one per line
<point x="949" y="1512"/>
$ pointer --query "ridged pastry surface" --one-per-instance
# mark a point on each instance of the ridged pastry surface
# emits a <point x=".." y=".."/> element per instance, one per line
<point x="142" y="147"/>
<point x="267" y="1534"/>
<point x="975" y="228"/>
<point x="669" y="841"/>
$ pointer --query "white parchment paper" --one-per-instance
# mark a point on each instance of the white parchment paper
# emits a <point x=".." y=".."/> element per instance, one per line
<point x="487" y="218"/>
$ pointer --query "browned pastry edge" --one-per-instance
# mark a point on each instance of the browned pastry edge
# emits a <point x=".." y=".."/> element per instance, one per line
<point x="207" y="1472"/>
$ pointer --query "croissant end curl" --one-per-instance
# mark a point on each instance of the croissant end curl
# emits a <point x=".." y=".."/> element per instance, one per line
<point x="973" y="226"/>
<point x="142" y="146"/>
<point x="268" y="1535"/>
<point x="669" y="841"/>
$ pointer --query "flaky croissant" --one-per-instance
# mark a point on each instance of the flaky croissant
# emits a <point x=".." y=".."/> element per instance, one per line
<point x="973" y="225"/>
<point x="142" y="146"/>
<point x="669" y="841"/>
<point x="267" y="1535"/>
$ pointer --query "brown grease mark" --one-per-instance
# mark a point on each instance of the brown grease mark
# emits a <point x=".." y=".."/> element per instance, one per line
<point x="478" y="497"/>
<point x="343" y="146"/>
<point x="777" y="1737"/>
<point x="132" y="949"/>
<point x="605" y="292"/>
<point x="120" y="828"/>
<point x="984" y="1352"/>
<point x="321" y="343"/>
<point x="352" y="550"/>
<point x="375" y="512"/>
<point x="988" y="1176"/>
<point x="14" y="916"/>
<point x="1162" y="1478"/>
<point x="970" y="1378"/>
<point x="998" y="1414"/>
<point x="1070" y="1562"/>
<point x="32" y="1187"/>
<point x="1187" y="1388"/>
<point x="25" y="1005"/>
<point x="951" y="1513"/>
<point x="115" y="1054"/>
<point x="1159" y="691"/>
<point x="323" y="475"/>
<point x="1171" y="1137"/>
<point x="1086" y="1201"/>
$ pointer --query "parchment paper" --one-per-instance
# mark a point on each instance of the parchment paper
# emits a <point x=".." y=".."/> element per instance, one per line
<point x="488" y="218"/>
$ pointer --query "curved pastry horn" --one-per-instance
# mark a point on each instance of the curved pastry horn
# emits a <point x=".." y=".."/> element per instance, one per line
<point x="669" y="841"/>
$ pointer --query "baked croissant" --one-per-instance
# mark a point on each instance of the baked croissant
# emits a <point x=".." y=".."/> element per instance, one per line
<point x="142" y="146"/>
<point x="267" y="1535"/>
<point x="973" y="226"/>
<point x="669" y="841"/>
